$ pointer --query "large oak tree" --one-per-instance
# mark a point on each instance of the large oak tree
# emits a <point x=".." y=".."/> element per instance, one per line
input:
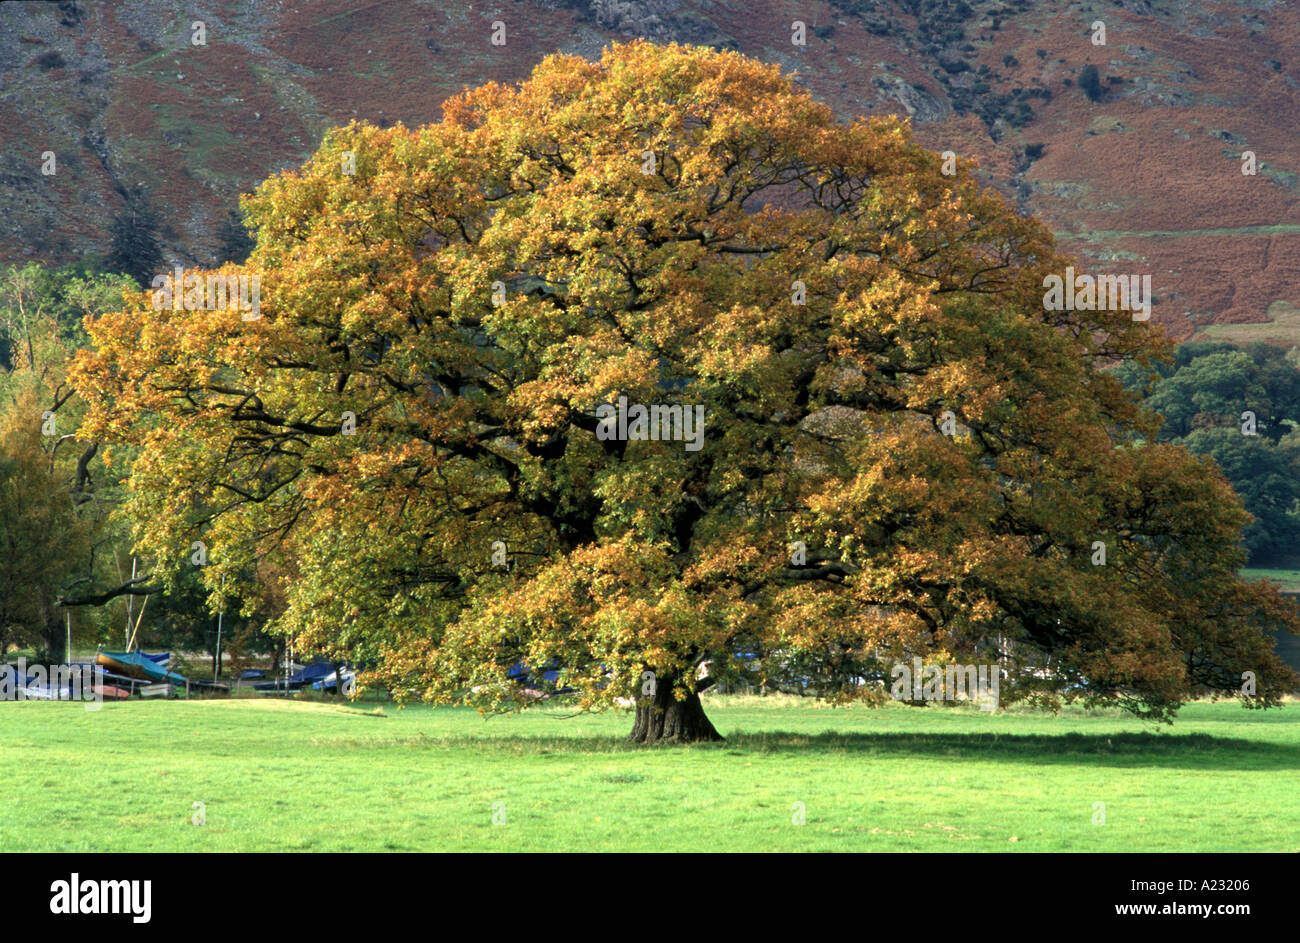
<point x="422" y="395"/>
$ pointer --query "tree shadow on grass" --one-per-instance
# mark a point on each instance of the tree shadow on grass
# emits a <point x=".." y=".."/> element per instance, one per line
<point x="1155" y="750"/>
<point x="1183" y="751"/>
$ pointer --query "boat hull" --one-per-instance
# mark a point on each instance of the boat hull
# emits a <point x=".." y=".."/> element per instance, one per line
<point x="120" y="667"/>
<point x="136" y="665"/>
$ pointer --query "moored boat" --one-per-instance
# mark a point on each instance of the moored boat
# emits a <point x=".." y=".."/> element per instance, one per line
<point x="137" y="665"/>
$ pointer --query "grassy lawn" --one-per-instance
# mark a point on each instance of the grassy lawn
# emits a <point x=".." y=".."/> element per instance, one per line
<point x="1287" y="580"/>
<point x="290" y="775"/>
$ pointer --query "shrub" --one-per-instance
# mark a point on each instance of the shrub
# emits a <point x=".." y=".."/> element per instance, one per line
<point x="1090" y="82"/>
<point x="50" y="60"/>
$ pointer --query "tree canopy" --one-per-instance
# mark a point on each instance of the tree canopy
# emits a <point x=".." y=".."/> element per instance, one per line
<point x="64" y="541"/>
<point x="415" y="432"/>
<point x="1241" y="408"/>
<point x="55" y="505"/>
<point x="43" y="541"/>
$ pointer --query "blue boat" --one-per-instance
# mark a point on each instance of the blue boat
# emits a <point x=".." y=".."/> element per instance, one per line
<point x="331" y="681"/>
<point x="317" y="671"/>
<point x="137" y="665"/>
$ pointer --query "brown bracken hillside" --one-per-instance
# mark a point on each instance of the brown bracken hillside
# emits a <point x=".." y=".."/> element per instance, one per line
<point x="1138" y="168"/>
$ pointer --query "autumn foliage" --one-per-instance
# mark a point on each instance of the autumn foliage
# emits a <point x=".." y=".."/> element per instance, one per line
<point x="678" y="226"/>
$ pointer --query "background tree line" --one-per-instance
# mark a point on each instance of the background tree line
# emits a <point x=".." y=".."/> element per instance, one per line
<point x="1203" y="395"/>
<point x="65" y="545"/>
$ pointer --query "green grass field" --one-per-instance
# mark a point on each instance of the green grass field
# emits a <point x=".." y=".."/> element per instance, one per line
<point x="1288" y="580"/>
<point x="304" y="775"/>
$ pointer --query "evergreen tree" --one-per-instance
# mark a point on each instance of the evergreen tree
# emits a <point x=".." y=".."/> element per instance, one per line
<point x="1090" y="82"/>
<point x="234" y="242"/>
<point x="135" y="248"/>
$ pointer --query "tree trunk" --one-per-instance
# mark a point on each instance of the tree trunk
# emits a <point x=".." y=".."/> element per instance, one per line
<point x="52" y="636"/>
<point x="661" y="718"/>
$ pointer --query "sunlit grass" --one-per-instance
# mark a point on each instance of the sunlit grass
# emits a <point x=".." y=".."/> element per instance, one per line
<point x="281" y="775"/>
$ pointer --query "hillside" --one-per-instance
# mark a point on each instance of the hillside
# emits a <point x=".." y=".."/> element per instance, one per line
<point x="1145" y="178"/>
